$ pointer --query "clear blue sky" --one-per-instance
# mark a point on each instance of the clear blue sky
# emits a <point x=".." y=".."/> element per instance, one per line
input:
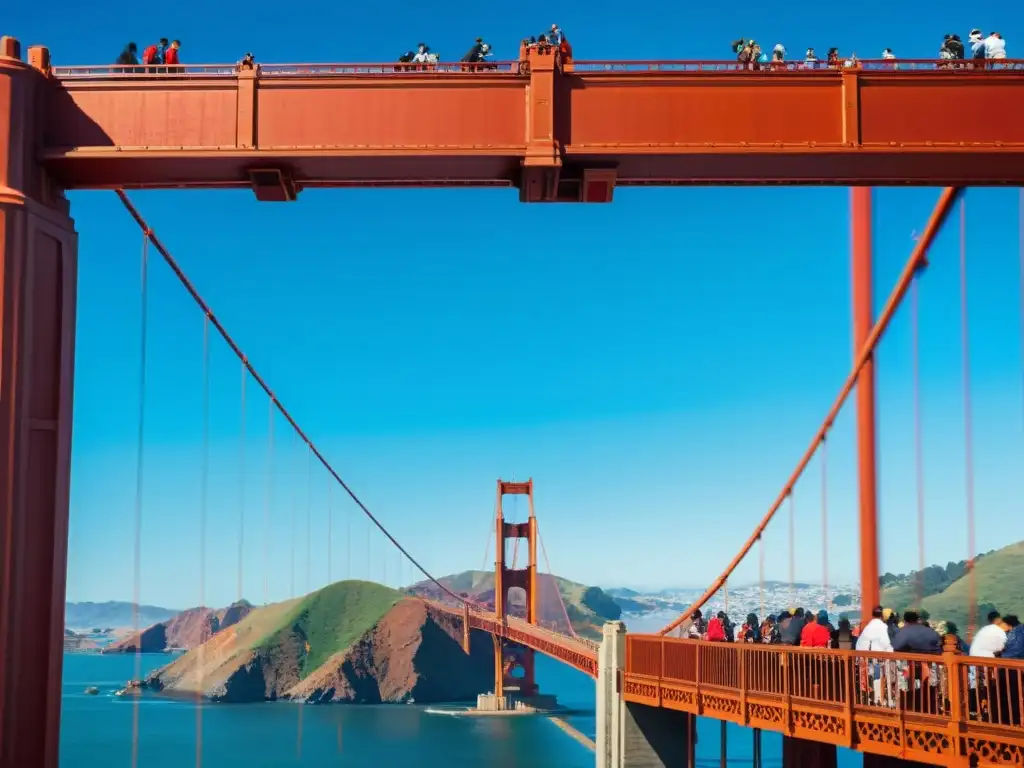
<point x="657" y="365"/>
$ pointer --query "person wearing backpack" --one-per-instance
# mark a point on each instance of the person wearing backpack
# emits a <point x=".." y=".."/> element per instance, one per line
<point x="153" y="56"/>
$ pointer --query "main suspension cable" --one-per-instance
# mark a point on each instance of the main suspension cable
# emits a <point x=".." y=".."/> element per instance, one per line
<point x="551" y="575"/>
<point x="183" y="278"/>
<point x="139" y="456"/>
<point x="917" y="257"/>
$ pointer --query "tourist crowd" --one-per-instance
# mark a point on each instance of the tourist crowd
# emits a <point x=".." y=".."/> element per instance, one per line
<point x="163" y="55"/>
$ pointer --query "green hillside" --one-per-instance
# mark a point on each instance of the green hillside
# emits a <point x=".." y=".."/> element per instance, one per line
<point x="999" y="576"/>
<point x="331" y="619"/>
<point x="999" y="580"/>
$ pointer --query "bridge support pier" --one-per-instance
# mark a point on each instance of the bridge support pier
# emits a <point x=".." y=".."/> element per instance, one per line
<point x="38" y="260"/>
<point x="802" y="753"/>
<point x="632" y="735"/>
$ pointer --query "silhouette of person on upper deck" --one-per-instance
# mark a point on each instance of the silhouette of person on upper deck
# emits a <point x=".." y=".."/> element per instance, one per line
<point x="810" y="59"/>
<point x="128" y="59"/>
<point x="952" y="48"/>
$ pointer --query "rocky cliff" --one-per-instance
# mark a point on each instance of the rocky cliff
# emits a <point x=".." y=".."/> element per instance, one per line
<point x="353" y="641"/>
<point x="187" y="629"/>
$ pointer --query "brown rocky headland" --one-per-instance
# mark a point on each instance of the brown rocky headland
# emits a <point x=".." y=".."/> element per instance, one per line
<point x="353" y="642"/>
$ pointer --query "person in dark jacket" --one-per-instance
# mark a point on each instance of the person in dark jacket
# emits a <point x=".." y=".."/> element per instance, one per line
<point x="825" y="622"/>
<point x="751" y="630"/>
<point x="791" y="633"/>
<point x="916" y="637"/>
<point x="842" y="636"/>
<point x="128" y="60"/>
<point x="952" y="629"/>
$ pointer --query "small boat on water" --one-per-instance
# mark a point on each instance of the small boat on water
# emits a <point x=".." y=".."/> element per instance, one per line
<point x="92" y="690"/>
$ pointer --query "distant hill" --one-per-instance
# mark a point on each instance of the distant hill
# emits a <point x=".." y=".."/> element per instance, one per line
<point x="999" y="580"/>
<point x="587" y="607"/>
<point x="353" y="641"/>
<point x="112" y="614"/>
<point x="622" y="592"/>
<point x="188" y="629"/>
<point x="900" y="590"/>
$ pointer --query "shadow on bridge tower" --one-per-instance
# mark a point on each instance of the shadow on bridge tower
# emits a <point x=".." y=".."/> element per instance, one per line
<point x="514" y="664"/>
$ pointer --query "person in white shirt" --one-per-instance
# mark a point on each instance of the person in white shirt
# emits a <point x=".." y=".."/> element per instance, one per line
<point x="995" y="46"/>
<point x="874" y="636"/>
<point x="991" y="639"/>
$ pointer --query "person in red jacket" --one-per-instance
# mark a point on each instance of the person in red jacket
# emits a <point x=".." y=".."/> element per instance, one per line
<point x="716" y="631"/>
<point x="171" y="56"/>
<point x="815" y="635"/>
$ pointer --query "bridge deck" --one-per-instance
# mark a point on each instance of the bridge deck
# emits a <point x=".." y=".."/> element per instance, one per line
<point x="654" y="123"/>
<point x="940" y="710"/>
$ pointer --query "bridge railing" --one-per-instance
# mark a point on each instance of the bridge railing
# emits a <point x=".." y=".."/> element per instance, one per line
<point x="895" y="66"/>
<point x="200" y="71"/>
<point x="912" y="705"/>
<point x="196" y="71"/>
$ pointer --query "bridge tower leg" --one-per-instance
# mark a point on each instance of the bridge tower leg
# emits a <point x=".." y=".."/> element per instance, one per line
<point x="863" y="319"/>
<point x="38" y="260"/>
<point x="506" y="578"/>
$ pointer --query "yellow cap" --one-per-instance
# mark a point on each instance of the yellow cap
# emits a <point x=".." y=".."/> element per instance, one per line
<point x="886" y="613"/>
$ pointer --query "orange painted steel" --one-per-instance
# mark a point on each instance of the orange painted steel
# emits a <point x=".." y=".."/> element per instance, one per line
<point x="506" y="578"/>
<point x="862" y="246"/>
<point x="918" y="259"/>
<point x="559" y="130"/>
<point x="577" y="652"/>
<point x="943" y="709"/>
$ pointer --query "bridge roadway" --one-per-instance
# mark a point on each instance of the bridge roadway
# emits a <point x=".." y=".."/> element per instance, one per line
<point x="811" y="695"/>
<point x="560" y="131"/>
<point x="577" y="652"/>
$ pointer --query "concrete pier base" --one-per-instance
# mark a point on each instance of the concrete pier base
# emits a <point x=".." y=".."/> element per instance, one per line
<point x="655" y="738"/>
<point x="633" y="735"/>
<point x="801" y="753"/>
<point x="511" y="702"/>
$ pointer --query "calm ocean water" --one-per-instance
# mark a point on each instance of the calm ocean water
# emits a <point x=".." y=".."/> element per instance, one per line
<point x="96" y="730"/>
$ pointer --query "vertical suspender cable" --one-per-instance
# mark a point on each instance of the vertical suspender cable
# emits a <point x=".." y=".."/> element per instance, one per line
<point x="968" y="424"/>
<point x="204" y="480"/>
<point x="261" y="382"/>
<point x="760" y="575"/>
<point x="140" y="442"/>
<point x="824" y="520"/>
<point x="291" y="483"/>
<point x="309" y="521"/>
<point x="915" y="343"/>
<point x="1020" y="297"/>
<point x="330" y="533"/>
<point x="792" y="549"/>
<point x="268" y="501"/>
<point x="241" y="490"/>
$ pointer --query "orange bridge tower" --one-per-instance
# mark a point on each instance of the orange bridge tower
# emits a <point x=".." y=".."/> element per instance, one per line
<point x="510" y="658"/>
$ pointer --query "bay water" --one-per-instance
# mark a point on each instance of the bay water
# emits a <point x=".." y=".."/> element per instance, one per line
<point x="96" y="730"/>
